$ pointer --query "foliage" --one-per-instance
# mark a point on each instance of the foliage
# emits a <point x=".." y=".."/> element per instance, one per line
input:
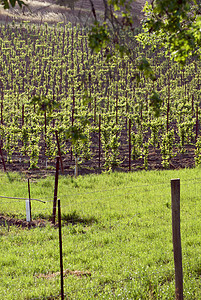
<point x="198" y="152"/>
<point x="44" y="104"/>
<point x="63" y="88"/>
<point x="11" y="3"/>
<point x="167" y="148"/>
<point x="110" y="143"/>
<point x="137" y="144"/>
<point x="174" y="25"/>
<point x="99" y="37"/>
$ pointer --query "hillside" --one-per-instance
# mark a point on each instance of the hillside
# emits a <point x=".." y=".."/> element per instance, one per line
<point x="46" y="11"/>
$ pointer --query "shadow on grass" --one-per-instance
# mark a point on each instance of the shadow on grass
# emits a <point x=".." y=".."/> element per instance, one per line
<point x="42" y="220"/>
<point x="73" y="218"/>
<point x="6" y="221"/>
<point x="9" y="178"/>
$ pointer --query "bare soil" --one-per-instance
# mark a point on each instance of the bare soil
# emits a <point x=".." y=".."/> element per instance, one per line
<point x="6" y="221"/>
<point x="66" y="273"/>
<point x="48" y="11"/>
<point x="184" y="159"/>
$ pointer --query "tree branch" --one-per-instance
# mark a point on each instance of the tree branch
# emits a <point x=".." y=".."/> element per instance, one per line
<point x="93" y="9"/>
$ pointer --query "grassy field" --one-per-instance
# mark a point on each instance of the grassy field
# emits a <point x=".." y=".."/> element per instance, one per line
<point x="117" y="239"/>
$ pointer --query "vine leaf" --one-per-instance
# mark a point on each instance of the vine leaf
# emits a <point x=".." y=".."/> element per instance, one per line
<point x="155" y="103"/>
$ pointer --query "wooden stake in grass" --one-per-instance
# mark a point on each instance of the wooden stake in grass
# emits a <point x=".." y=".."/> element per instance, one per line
<point x="55" y="191"/>
<point x="175" y="193"/>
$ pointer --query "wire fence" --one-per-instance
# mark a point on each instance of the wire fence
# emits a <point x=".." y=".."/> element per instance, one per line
<point x="93" y="203"/>
<point x="115" y="210"/>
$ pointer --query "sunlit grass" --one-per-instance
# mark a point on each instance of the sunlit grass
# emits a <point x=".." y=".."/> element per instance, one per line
<point x="116" y="226"/>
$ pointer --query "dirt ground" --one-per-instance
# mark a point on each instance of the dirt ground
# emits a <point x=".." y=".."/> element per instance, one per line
<point x="91" y="166"/>
<point x="39" y="11"/>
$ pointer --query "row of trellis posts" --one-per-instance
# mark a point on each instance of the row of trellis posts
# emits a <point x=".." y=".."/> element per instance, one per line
<point x="56" y="133"/>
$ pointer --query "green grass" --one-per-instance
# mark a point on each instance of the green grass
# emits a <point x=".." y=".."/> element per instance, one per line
<point x="117" y="226"/>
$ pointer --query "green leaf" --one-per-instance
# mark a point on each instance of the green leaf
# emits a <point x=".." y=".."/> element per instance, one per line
<point x="98" y="37"/>
<point x="7" y="3"/>
<point x="155" y="103"/>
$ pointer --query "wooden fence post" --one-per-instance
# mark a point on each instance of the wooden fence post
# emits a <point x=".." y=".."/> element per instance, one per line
<point x="55" y="191"/>
<point x="176" y="236"/>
